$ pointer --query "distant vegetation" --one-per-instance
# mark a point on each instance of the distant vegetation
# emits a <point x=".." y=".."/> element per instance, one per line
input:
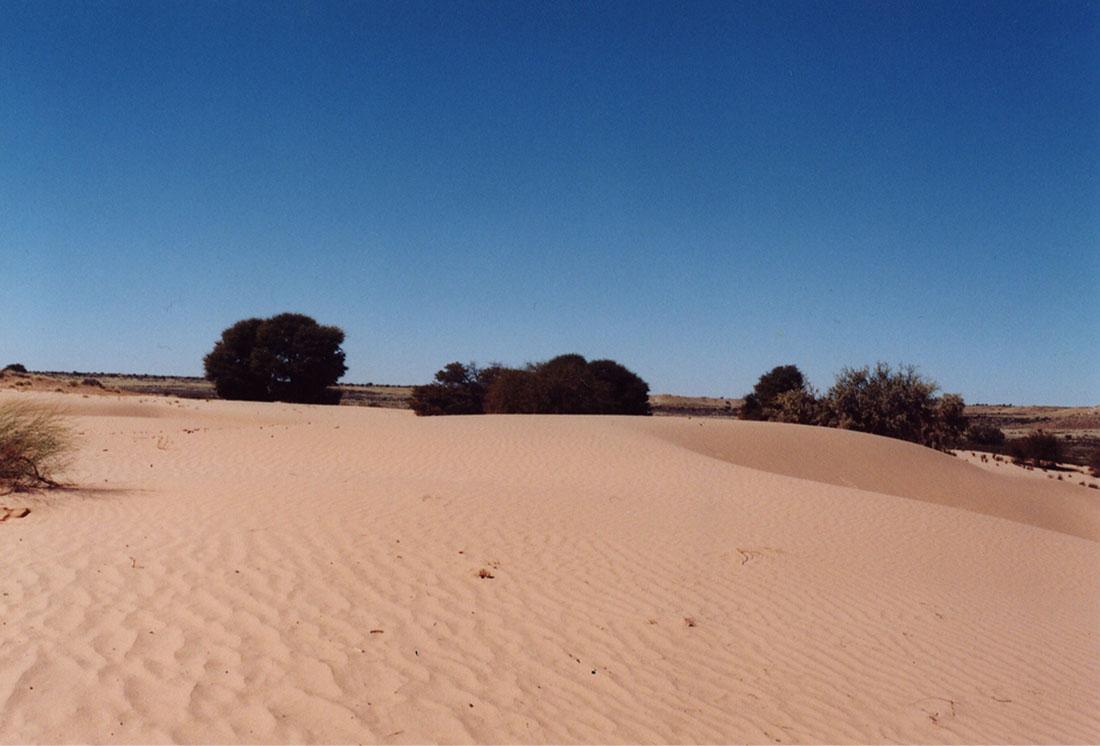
<point x="1094" y="463"/>
<point x="289" y="357"/>
<point x="779" y="395"/>
<point x="567" y="384"/>
<point x="1039" y="448"/>
<point x="14" y="368"/>
<point x="881" y="400"/>
<point x="458" y="389"/>
<point x="33" y="443"/>
<point x="985" y="435"/>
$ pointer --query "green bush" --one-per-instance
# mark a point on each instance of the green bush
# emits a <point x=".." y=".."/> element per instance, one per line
<point x="288" y="357"/>
<point x="513" y="391"/>
<point x="799" y="406"/>
<point x="1040" y="448"/>
<point x="618" y="390"/>
<point x="985" y="435"/>
<point x="14" y="368"/>
<point x="896" y="404"/>
<point x="33" y="444"/>
<point x="567" y="384"/>
<point x="762" y="403"/>
<point x="458" y="389"/>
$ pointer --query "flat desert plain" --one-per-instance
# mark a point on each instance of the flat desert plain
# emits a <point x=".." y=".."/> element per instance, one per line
<point x="236" y="572"/>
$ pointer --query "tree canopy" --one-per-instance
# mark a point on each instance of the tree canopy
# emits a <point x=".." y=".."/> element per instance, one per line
<point x="288" y="357"/>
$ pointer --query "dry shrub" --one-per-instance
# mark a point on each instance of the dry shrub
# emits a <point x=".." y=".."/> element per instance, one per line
<point x="33" y="444"/>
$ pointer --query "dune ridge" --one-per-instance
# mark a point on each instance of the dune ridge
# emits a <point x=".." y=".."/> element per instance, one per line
<point x="236" y="572"/>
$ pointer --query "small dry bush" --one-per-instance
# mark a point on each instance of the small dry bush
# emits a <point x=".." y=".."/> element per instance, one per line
<point x="33" y="444"/>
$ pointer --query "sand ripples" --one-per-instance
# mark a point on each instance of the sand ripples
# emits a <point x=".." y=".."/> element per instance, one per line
<point x="250" y="573"/>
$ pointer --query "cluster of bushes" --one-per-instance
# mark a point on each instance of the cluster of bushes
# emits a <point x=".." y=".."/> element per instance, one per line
<point x="33" y="443"/>
<point x="1041" y="449"/>
<point x="881" y="400"/>
<point x="567" y="384"/>
<point x="288" y="357"/>
<point x="986" y="436"/>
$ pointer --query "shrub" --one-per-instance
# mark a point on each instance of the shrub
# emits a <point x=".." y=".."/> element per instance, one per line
<point x="457" y="390"/>
<point x="288" y="357"/>
<point x="513" y="391"/>
<point x="14" y="368"/>
<point x="618" y="389"/>
<point x="799" y="406"/>
<point x="567" y="384"/>
<point x="33" y="443"/>
<point x="985" y="435"/>
<point x="946" y="428"/>
<point x="761" y="404"/>
<point x="1040" y="448"/>
<point x="897" y="404"/>
<point x="1094" y="463"/>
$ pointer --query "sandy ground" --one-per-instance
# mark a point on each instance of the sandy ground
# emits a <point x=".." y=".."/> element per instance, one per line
<point x="234" y="572"/>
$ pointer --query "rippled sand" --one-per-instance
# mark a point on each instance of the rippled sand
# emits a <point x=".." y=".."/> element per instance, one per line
<point x="229" y="572"/>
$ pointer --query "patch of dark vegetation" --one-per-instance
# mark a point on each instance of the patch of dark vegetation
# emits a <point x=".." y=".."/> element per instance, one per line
<point x="984" y="434"/>
<point x="895" y="403"/>
<point x="1040" y="449"/>
<point x="288" y="357"/>
<point x="567" y="384"/>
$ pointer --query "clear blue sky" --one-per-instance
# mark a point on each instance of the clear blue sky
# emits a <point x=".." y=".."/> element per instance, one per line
<point x="701" y="191"/>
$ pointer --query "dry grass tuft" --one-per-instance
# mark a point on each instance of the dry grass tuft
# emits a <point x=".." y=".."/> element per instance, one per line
<point x="33" y="444"/>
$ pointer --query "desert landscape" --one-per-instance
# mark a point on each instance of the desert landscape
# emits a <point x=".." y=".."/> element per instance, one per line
<point x="549" y="373"/>
<point x="218" y="571"/>
<point x="1079" y="426"/>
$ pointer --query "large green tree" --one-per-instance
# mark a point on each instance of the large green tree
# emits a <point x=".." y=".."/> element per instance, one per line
<point x="288" y="357"/>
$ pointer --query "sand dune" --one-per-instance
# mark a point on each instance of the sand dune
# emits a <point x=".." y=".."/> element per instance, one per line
<point x="235" y="572"/>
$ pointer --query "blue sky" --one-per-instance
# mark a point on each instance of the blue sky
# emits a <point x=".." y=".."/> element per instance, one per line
<point x="701" y="191"/>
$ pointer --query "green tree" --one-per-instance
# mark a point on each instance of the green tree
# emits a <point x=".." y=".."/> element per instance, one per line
<point x="618" y="389"/>
<point x="288" y="357"/>
<point x="457" y="390"/>
<point x="761" y="404"/>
